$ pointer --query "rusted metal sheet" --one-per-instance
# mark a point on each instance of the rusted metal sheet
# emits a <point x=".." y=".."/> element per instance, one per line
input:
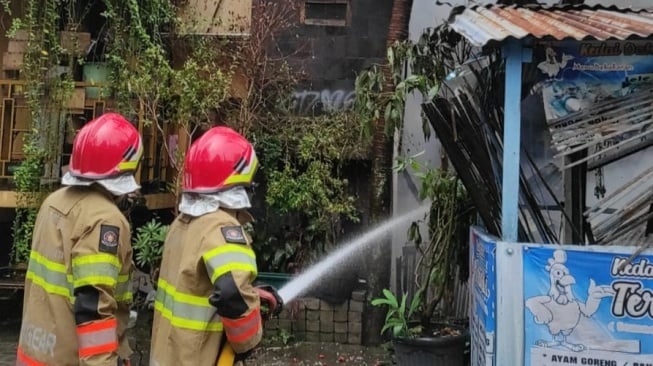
<point x="483" y="25"/>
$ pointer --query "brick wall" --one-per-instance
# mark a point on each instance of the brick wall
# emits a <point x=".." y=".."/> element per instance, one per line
<point x="315" y="320"/>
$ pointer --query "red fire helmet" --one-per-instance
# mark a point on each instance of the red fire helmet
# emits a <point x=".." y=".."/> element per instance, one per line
<point x="106" y="147"/>
<point x="220" y="159"/>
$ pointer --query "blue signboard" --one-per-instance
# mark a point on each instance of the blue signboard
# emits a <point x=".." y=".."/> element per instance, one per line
<point x="483" y="298"/>
<point x="590" y="83"/>
<point x="587" y="308"/>
<point x="577" y="75"/>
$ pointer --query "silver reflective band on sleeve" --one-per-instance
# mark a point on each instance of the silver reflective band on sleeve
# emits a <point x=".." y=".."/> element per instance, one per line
<point x="50" y="275"/>
<point x="185" y="310"/>
<point x="97" y="338"/>
<point x="98" y="273"/>
<point x="229" y="258"/>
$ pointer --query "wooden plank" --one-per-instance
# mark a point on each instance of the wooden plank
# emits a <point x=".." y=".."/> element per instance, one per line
<point x="574" y="181"/>
<point x="5" y="125"/>
<point x="159" y="201"/>
<point x="17" y="46"/>
<point x="12" y="61"/>
<point x="8" y="199"/>
<point x="77" y="99"/>
<point x="75" y="43"/>
<point x="221" y="17"/>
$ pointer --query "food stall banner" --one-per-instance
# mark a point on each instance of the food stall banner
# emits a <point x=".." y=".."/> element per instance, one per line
<point x="483" y="297"/>
<point x="587" y="308"/>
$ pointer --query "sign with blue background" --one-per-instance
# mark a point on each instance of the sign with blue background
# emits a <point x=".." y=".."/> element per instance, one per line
<point x="576" y="75"/>
<point x="587" y="308"/>
<point x="483" y="298"/>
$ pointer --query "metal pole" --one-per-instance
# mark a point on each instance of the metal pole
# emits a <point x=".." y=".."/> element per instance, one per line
<point x="511" y="141"/>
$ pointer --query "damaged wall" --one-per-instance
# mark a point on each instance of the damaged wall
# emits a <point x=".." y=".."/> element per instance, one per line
<point x="332" y="43"/>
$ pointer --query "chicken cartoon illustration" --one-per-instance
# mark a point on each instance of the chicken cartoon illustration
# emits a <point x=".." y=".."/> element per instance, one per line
<point x="551" y="66"/>
<point x="559" y="310"/>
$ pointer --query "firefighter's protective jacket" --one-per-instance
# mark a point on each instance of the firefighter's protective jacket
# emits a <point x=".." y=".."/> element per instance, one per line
<point x="204" y="292"/>
<point x="77" y="287"/>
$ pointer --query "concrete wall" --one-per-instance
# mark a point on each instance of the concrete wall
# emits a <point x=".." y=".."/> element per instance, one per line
<point x="332" y="56"/>
<point x="425" y="14"/>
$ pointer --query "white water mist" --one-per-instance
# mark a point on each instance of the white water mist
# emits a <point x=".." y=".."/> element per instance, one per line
<point x="335" y="260"/>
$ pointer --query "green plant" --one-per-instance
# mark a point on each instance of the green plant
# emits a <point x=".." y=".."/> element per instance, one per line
<point x="46" y="94"/>
<point x="381" y="94"/>
<point x="148" y="244"/>
<point x="170" y="83"/>
<point x="399" y="315"/>
<point x="305" y="184"/>
<point x="285" y="336"/>
<point x="27" y="178"/>
<point x="441" y="252"/>
<point x="438" y="51"/>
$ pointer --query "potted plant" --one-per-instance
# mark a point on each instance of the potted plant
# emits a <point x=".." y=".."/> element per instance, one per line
<point x="421" y="327"/>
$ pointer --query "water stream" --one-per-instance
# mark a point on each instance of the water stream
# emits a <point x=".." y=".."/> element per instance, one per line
<point x="312" y="275"/>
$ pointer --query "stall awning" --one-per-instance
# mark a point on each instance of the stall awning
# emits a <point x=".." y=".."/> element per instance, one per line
<point x="487" y="24"/>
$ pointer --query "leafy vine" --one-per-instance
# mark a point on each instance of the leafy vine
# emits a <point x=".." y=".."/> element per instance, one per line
<point x="46" y="91"/>
<point x="306" y="186"/>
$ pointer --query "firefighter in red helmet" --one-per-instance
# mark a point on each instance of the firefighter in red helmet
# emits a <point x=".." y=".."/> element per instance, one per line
<point x="205" y="295"/>
<point x="77" y="288"/>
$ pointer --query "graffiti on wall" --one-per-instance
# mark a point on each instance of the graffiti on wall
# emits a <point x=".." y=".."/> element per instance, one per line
<point x="325" y="100"/>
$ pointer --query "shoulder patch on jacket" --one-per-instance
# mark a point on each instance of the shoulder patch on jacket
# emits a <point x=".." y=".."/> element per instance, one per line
<point x="234" y="234"/>
<point x="109" y="239"/>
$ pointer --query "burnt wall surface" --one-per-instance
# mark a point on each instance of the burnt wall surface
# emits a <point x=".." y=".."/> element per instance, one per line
<point x="332" y="55"/>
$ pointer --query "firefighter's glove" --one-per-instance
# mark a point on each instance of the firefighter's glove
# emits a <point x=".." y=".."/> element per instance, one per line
<point x="270" y="298"/>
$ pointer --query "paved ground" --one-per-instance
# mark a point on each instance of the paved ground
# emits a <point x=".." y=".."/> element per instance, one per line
<point x="269" y="354"/>
<point x="8" y="341"/>
<point x="297" y="354"/>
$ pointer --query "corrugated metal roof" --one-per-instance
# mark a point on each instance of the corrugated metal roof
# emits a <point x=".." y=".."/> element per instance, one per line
<point x="483" y="25"/>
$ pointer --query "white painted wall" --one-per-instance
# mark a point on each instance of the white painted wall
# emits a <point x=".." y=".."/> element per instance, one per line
<point x="425" y="13"/>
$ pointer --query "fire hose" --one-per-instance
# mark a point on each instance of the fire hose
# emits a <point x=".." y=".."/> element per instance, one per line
<point x="270" y="299"/>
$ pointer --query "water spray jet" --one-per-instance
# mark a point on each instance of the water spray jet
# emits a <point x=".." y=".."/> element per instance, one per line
<point x="308" y="278"/>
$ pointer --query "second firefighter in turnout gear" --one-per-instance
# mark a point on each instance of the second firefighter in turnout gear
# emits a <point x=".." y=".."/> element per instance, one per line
<point x="205" y="295"/>
<point x="77" y="287"/>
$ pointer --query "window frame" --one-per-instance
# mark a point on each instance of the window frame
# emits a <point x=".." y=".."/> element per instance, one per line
<point x="326" y="22"/>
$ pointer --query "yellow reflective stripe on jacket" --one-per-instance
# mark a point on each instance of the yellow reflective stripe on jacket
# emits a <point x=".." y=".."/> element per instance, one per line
<point x="49" y="275"/>
<point x="123" y="291"/>
<point x="185" y="310"/>
<point x="95" y="269"/>
<point x="229" y="257"/>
